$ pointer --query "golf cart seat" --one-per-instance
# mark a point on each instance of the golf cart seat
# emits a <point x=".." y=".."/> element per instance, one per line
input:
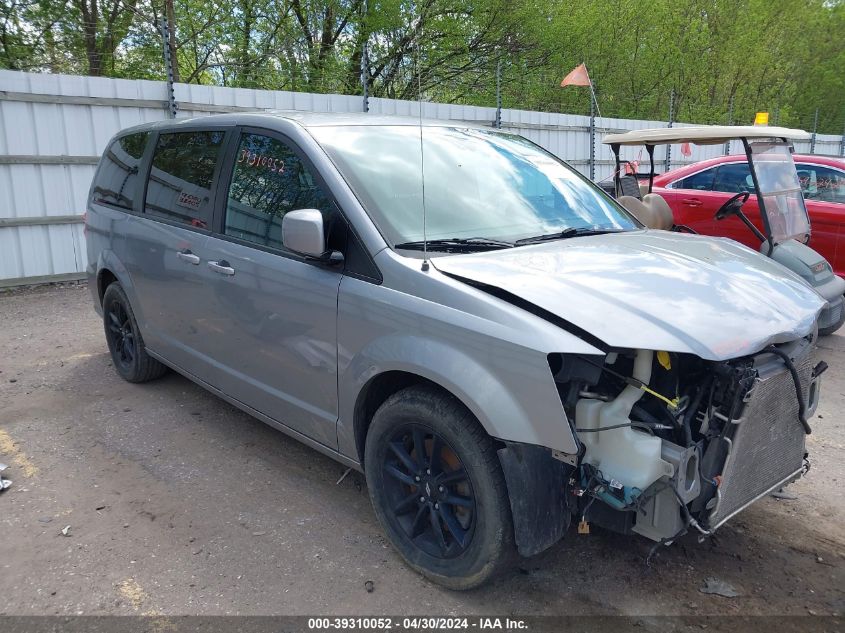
<point x="634" y="207"/>
<point x="661" y="213"/>
<point x="630" y="186"/>
<point x="652" y="210"/>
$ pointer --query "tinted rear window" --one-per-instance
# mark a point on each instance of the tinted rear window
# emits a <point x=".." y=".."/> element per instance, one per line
<point x="118" y="179"/>
<point x="181" y="178"/>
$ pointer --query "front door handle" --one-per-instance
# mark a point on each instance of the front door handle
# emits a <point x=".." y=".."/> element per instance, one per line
<point x="188" y="256"/>
<point x="222" y="267"/>
<point x="692" y="202"/>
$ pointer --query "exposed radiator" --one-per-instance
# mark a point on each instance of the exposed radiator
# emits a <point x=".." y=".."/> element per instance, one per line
<point x="768" y="445"/>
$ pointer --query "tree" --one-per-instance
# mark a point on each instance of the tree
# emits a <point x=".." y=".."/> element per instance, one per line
<point x="784" y="56"/>
<point x="103" y="26"/>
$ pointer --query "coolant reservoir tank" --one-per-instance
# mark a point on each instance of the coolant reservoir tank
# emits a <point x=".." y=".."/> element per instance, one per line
<point x="630" y="456"/>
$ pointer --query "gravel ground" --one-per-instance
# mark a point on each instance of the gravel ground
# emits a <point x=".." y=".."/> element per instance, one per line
<point x="177" y="503"/>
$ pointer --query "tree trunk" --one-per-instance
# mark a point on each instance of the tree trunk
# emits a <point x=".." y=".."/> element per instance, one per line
<point x="91" y="17"/>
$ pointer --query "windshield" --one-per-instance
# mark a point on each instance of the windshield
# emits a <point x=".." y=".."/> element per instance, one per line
<point x="478" y="184"/>
<point x="781" y="190"/>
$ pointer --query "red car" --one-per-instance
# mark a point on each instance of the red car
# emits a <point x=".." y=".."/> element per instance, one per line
<point x="695" y="192"/>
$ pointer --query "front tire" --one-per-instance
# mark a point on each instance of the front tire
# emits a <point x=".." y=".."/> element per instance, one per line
<point x="128" y="353"/>
<point x="827" y="331"/>
<point x="437" y="488"/>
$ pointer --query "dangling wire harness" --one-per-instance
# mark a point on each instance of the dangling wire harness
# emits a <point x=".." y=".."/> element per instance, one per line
<point x="672" y="403"/>
<point x="796" y="379"/>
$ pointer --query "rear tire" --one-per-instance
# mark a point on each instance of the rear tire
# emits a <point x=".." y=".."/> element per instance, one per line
<point x="437" y="488"/>
<point x="128" y="353"/>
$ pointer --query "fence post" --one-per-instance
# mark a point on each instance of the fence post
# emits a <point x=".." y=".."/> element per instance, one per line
<point x="365" y="80"/>
<point x="365" y="67"/>
<point x="668" y="165"/>
<point x="842" y="144"/>
<point x="730" y="122"/>
<point x="592" y="138"/>
<point x="172" y="106"/>
<point x="815" y="128"/>
<point x="498" y="122"/>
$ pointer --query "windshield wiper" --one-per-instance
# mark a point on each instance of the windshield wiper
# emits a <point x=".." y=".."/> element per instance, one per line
<point x="456" y="244"/>
<point x="562" y="235"/>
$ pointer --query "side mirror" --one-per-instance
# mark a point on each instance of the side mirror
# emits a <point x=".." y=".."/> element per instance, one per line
<point x="302" y="232"/>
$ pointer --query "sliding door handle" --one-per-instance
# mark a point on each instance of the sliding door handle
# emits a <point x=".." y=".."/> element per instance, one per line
<point x="222" y="267"/>
<point x="188" y="256"/>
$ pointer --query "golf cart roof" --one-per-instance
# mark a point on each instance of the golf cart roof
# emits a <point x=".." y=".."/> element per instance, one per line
<point x="702" y="134"/>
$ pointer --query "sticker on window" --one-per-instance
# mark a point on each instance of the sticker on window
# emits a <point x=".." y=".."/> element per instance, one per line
<point x="188" y="200"/>
<point x="251" y="159"/>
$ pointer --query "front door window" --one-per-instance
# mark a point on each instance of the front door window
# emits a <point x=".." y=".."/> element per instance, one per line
<point x="269" y="179"/>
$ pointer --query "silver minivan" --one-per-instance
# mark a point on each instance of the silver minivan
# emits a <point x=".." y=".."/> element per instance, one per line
<point x="499" y="346"/>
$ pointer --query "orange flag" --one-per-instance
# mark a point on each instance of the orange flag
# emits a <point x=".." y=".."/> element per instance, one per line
<point x="686" y="150"/>
<point x="578" y="77"/>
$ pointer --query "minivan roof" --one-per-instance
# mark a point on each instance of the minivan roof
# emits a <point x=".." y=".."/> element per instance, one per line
<point x="306" y="120"/>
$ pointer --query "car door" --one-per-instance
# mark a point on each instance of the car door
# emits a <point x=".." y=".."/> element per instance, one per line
<point x="693" y="201"/>
<point x="277" y="312"/>
<point x="165" y="243"/>
<point x="824" y="193"/>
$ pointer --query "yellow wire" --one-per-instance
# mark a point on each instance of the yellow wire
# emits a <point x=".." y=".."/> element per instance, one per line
<point x="672" y="403"/>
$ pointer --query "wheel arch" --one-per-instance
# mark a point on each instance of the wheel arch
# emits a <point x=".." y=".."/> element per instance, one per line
<point x="540" y="510"/>
<point x="105" y="277"/>
<point x="377" y="390"/>
<point x="521" y="406"/>
<point x="111" y="269"/>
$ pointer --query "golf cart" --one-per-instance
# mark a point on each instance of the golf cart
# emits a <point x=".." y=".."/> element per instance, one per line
<point x="774" y="182"/>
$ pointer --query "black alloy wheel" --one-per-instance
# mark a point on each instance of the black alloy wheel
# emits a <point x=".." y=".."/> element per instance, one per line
<point x="119" y="331"/>
<point x="437" y="487"/>
<point x="126" y="345"/>
<point x="430" y="491"/>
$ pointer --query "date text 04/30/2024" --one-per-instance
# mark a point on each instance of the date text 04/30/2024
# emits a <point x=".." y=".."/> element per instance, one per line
<point x="416" y="623"/>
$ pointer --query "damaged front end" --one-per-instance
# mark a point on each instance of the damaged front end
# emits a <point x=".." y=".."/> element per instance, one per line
<point x="671" y="442"/>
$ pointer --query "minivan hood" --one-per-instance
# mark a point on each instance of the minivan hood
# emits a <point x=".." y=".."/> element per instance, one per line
<point x="658" y="290"/>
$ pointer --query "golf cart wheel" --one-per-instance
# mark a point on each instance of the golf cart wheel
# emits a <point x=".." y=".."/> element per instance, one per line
<point x="437" y="488"/>
<point x="830" y="329"/>
<point x="128" y="353"/>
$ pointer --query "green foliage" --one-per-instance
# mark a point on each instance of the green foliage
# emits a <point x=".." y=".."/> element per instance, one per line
<point x="784" y="56"/>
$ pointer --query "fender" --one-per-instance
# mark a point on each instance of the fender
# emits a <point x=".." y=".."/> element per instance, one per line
<point x="107" y="260"/>
<point x="803" y="261"/>
<point x="535" y="480"/>
<point x="500" y="411"/>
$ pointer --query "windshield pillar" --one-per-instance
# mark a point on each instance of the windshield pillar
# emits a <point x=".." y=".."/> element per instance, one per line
<point x="760" y="201"/>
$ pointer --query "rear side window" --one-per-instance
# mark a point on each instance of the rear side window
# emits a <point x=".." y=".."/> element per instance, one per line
<point x="734" y="178"/>
<point x="702" y="181"/>
<point x="182" y="175"/>
<point x="269" y="179"/>
<point x="117" y="182"/>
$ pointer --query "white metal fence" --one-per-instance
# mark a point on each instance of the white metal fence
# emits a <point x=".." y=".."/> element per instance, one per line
<point x="53" y="129"/>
